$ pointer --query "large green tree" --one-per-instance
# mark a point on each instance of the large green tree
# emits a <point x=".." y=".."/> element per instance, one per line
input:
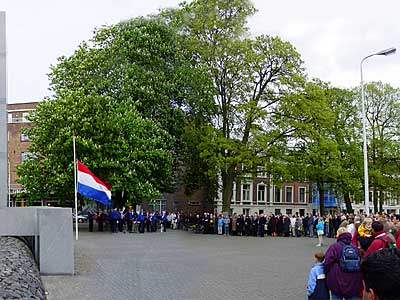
<point x="324" y="147"/>
<point x="383" y="117"/>
<point x="249" y="77"/>
<point x="124" y="94"/>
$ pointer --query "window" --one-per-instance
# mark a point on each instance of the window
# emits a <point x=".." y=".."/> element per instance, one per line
<point x="246" y="193"/>
<point x="302" y="212"/>
<point x="277" y="211"/>
<point x="261" y="172"/>
<point x="24" y="138"/>
<point x="26" y="155"/>
<point x="261" y="192"/>
<point x="302" y="194"/>
<point x="277" y="194"/>
<point x="25" y="117"/>
<point x="10" y="118"/>
<point x="260" y="211"/>
<point x="289" y="194"/>
<point x="246" y="211"/>
<point x="161" y="204"/>
<point x="288" y="211"/>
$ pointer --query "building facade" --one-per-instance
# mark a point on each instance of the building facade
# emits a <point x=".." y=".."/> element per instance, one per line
<point x="260" y="195"/>
<point x="251" y="195"/>
<point x="18" y="143"/>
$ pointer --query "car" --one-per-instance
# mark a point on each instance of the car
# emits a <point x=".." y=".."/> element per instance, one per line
<point x="81" y="218"/>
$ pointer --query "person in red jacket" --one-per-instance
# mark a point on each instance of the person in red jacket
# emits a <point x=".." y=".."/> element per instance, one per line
<point x="381" y="239"/>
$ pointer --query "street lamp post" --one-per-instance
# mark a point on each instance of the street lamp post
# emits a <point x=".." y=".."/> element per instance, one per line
<point x="364" y="118"/>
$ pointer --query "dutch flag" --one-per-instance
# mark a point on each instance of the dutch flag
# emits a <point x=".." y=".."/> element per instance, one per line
<point x="92" y="187"/>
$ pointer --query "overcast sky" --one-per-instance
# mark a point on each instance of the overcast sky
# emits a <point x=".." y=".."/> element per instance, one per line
<point x="331" y="36"/>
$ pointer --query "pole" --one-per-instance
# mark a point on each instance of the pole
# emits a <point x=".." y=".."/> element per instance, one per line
<point x="364" y="118"/>
<point x="76" y="190"/>
<point x="385" y="52"/>
<point x="9" y="184"/>
<point x="3" y="112"/>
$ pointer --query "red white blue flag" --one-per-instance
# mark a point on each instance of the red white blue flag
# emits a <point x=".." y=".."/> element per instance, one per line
<point x="92" y="187"/>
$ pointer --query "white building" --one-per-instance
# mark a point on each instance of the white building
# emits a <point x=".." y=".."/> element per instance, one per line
<point x="261" y="195"/>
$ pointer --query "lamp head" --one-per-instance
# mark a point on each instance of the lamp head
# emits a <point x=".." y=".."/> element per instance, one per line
<point x="387" y="52"/>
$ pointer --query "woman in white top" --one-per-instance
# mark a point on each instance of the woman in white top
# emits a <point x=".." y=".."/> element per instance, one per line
<point x="351" y="228"/>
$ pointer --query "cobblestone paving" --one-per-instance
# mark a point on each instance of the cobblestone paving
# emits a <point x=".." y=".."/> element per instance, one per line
<point x="185" y="266"/>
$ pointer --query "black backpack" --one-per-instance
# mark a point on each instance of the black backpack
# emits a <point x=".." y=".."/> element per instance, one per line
<point x="349" y="260"/>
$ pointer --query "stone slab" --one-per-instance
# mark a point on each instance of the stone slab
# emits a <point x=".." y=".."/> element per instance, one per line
<point x="56" y="241"/>
<point x="18" y="221"/>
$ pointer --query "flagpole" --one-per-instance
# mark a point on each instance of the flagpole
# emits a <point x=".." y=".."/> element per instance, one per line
<point x="76" y="192"/>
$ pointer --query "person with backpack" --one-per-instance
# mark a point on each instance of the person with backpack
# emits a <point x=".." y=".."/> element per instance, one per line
<point x="316" y="287"/>
<point x="381" y="239"/>
<point x="342" y="268"/>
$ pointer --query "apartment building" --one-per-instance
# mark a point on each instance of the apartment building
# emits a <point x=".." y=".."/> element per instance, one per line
<point x="260" y="195"/>
<point x="18" y="142"/>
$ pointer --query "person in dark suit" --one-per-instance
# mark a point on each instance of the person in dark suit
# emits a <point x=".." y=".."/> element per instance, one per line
<point x="261" y="225"/>
<point x="247" y="225"/>
<point x="240" y="223"/>
<point x="271" y="228"/>
<point x="91" y="215"/>
<point x="100" y="220"/>
<point x="254" y="225"/>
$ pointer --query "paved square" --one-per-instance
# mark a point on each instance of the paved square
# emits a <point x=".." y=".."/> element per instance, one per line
<point x="185" y="266"/>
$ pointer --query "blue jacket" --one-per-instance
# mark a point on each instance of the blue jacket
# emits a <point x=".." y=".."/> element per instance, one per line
<point x="220" y="222"/>
<point x="164" y="218"/>
<point x="114" y="215"/>
<point x="140" y="218"/>
<point x="316" y="272"/>
<point x="154" y="218"/>
<point x="320" y="225"/>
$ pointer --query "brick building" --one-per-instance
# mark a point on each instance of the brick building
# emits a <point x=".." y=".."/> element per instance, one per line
<point x="18" y="142"/>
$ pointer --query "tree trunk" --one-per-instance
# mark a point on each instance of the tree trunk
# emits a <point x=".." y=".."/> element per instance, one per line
<point x="228" y="177"/>
<point x="375" y="200"/>
<point x="381" y="201"/>
<point x="118" y="200"/>
<point x="349" y="207"/>
<point x="320" y="186"/>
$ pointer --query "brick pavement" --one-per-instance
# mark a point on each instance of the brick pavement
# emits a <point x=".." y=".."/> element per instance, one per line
<point x="185" y="266"/>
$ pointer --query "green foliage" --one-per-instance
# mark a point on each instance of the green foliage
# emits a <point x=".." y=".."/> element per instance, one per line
<point x="383" y="118"/>
<point x="249" y="77"/>
<point x="324" y="147"/>
<point x="124" y="95"/>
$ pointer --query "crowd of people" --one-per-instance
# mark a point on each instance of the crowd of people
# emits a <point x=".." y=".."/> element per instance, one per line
<point x="364" y="259"/>
<point x="364" y="263"/>
<point x="359" y="226"/>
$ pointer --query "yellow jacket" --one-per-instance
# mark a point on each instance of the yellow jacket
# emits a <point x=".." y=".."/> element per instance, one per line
<point x="362" y="230"/>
